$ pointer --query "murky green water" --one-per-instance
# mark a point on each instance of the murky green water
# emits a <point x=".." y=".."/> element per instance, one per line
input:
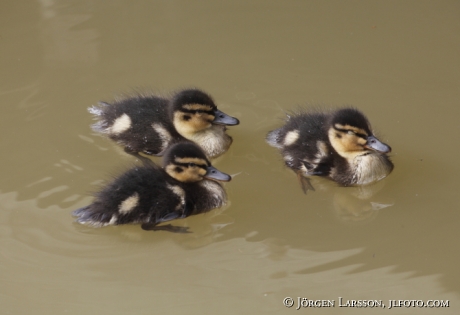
<point x="396" y="61"/>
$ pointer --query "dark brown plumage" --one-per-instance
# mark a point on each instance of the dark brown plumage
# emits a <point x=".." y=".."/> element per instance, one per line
<point x="150" y="124"/>
<point x="339" y="145"/>
<point x="150" y="195"/>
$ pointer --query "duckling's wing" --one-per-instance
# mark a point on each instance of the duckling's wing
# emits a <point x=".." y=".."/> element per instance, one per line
<point x="153" y="226"/>
<point x="145" y="161"/>
<point x="317" y="168"/>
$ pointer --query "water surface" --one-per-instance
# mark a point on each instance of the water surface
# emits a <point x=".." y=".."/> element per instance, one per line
<point x="396" y="61"/>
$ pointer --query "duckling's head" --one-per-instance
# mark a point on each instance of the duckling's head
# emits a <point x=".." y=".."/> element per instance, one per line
<point x="194" y="111"/>
<point x="351" y="135"/>
<point x="187" y="163"/>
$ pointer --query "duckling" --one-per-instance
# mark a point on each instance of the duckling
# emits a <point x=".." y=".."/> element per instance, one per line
<point x="339" y="145"/>
<point x="150" y="124"/>
<point x="186" y="185"/>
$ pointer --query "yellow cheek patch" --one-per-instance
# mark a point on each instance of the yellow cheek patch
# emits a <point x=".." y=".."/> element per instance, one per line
<point x="182" y="177"/>
<point x="171" y="170"/>
<point x="345" y="143"/>
<point x="197" y="107"/>
<point x="190" y="175"/>
<point x="353" y="143"/>
<point x="361" y="141"/>
<point x="187" y="174"/>
<point x="193" y="123"/>
<point x="201" y="121"/>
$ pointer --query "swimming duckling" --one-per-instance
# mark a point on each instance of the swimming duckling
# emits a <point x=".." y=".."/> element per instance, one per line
<point x="186" y="185"/>
<point x="150" y="124"/>
<point x="339" y="145"/>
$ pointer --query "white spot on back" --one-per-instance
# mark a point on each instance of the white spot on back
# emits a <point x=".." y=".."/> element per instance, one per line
<point x="121" y="124"/>
<point x="322" y="152"/>
<point x="180" y="193"/>
<point x="129" y="204"/>
<point x="322" y="149"/>
<point x="113" y="220"/>
<point x="291" y="137"/>
<point x="164" y="135"/>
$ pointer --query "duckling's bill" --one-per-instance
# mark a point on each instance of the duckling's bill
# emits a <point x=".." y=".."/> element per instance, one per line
<point x="214" y="173"/>
<point x="338" y="145"/>
<point x="375" y="144"/>
<point x="222" y="118"/>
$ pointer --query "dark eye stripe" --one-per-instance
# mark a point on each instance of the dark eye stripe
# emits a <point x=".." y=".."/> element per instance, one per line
<point x="205" y="167"/>
<point x="194" y="111"/>
<point x="346" y="130"/>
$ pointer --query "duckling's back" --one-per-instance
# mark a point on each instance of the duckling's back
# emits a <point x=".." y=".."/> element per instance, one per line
<point x="133" y="197"/>
<point x="301" y="131"/>
<point x="140" y="123"/>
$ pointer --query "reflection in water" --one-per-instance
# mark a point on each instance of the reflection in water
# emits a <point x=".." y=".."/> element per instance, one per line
<point x="351" y="205"/>
<point x="207" y="232"/>
<point x="204" y="229"/>
<point x="63" y="42"/>
<point x="352" y="210"/>
<point x="356" y="204"/>
<point x="25" y="100"/>
<point x="60" y="57"/>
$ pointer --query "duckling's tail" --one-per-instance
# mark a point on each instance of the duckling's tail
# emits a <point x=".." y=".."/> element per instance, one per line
<point x="98" y="111"/>
<point x="273" y="138"/>
<point x="91" y="217"/>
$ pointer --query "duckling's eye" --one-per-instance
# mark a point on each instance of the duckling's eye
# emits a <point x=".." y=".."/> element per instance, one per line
<point x="192" y="165"/>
